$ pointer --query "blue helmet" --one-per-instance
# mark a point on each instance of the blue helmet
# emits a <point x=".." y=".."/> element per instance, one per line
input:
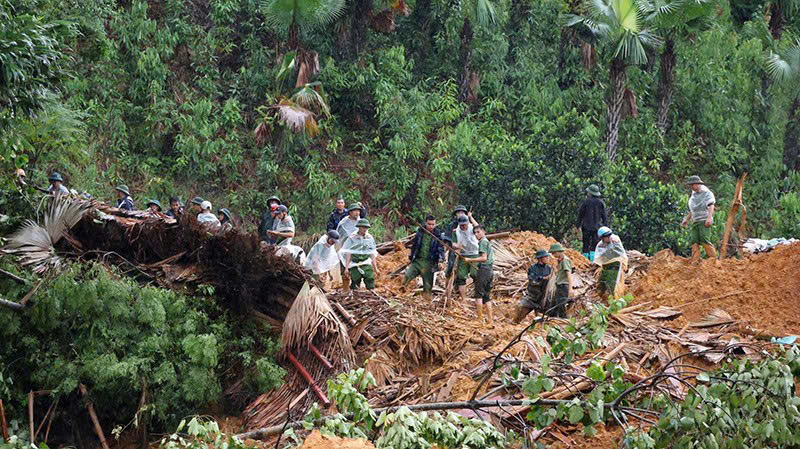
<point x="604" y="231"/>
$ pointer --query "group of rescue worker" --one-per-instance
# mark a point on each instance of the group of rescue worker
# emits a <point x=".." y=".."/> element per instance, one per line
<point x="348" y="250"/>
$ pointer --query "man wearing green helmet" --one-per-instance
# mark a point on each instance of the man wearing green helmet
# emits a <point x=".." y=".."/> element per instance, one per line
<point x="700" y="218"/>
<point x="359" y="255"/>
<point x="57" y="185"/>
<point x="268" y="220"/>
<point x="563" y="281"/>
<point x="124" y="200"/>
<point x="539" y="275"/>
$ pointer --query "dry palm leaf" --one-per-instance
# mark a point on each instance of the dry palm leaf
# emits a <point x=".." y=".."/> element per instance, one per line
<point x="310" y="317"/>
<point x="35" y="243"/>
<point x="400" y="7"/>
<point x="297" y="118"/>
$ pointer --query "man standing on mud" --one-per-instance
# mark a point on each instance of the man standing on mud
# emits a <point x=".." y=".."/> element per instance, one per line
<point x="700" y="218"/>
<point x="591" y="216"/>
<point x="424" y="257"/>
<point x="539" y="274"/>
<point x="482" y="272"/>
<point x="360" y="255"/>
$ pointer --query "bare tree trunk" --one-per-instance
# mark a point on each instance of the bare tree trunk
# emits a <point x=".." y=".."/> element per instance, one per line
<point x="618" y="78"/>
<point x="776" y="19"/>
<point x="791" y="140"/>
<point x="466" y="60"/>
<point x="519" y="12"/>
<point x="666" y="84"/>
<point x="358" y="25"/>
<point x="294" y="38"/>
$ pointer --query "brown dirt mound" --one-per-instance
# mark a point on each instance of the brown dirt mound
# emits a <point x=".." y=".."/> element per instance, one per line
<point x="761" y="290"/>
<point x="316" y="440"/>
<point x="527" y="242"/>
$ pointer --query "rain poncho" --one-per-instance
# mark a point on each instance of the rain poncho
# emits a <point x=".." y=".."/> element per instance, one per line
<point x="293" y="251"/>
<point x="467" y="240"/>
<point x="699" y="202"/>
<point x="361" y="250"/>
<point x="285" y="225"/>
<point x="612" y="256"/>
<point x="322" y="257"/>
<point x="345" y="229"/>
<point x="613" y="251"/>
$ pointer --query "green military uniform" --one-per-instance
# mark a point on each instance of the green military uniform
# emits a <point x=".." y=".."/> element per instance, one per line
<point x="483" y="274"/>
<point x="361" y="272"/>
<point x="421" y="266"/>
<point x="561" y="295"/>
<point x="361" y="249"/>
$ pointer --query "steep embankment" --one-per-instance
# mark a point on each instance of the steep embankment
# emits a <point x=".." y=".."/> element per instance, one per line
<point x="761" y="290"/>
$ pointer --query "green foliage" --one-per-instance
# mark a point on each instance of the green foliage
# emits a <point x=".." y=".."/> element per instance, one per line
<point x="117" y="338"/>
<point x="200" y="433"/>
<point x="744" y="404"/>
<point x="787" y="217"/>
<point x="401" y="429"/>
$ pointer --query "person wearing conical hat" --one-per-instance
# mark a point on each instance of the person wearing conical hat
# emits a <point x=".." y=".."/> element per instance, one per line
<point x="700" y="218"/>
<point x="539" y="274"/>
<point x="591" y="215"/>
<point x="563" y="281"/>
<point x="612" y="257"/>
<point x="359" y="255"/>
<point x="154" y="206"/>
<point x="124" y="200"/>
<point x="56" y="184"/>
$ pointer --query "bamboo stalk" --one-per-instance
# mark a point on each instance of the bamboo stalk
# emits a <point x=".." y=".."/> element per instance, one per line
<point x="308" y="378"/>
<point x="349" y="318"/>
<point x="90" y="407"/>
<point x="737" y="201"/>
<point x="319" y="356"/>
<point x="30" y="416"/>
<point x="3" y="421"/>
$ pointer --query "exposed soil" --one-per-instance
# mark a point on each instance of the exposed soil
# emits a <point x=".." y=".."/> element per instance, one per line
<point x="762" y="290"/>
<point x="316" y="440"/>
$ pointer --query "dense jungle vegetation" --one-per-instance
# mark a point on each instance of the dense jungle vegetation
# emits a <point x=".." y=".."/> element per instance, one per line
<point x="509" y="106"/>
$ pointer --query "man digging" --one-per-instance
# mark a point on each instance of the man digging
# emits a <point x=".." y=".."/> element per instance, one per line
<point x="425" y="255"/>
<point x="700" y="218"/>
<point x="539" y="274"/>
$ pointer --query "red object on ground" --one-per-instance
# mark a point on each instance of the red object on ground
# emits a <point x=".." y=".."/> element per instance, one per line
<point x="320" y="356"/>
<point x="307" y="377"/>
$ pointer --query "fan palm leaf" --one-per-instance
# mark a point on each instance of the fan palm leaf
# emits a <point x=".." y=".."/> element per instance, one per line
<point x="620" y="24"/>
<point x="297" y="118"/>
<point x="485" y="12"/>
<point x="306" y="14"/>
<point x="35" y="243"/>
<point x="786" y="66"/>
<point x="308" y="97"/>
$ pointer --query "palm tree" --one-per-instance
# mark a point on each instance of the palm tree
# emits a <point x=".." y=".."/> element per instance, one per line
<point x="784" y="68"/>
<point x="617" y="26"/>
<point x="296" y="16"/>
<point x="484" y="14"/>
<point x="779" y="11"/>
<point x="671" y="19"/>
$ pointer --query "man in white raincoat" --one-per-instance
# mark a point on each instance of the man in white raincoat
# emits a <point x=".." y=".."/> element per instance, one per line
<point x="359" y="255"/>
<point x="323" y="258"/>
<point x="611" y="255"/>
<point x="466" y="244"/>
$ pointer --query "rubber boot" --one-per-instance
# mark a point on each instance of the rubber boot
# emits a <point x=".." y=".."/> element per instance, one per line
<point x="591" y="256"/>
<point x="695" y="253"/>
<point x="711" y="252"/>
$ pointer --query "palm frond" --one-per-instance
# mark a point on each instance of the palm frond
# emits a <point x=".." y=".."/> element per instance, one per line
<point x="297" y="118"/>
<point x="309" y="98"/>
<point x="485" y="12"/>
<point x="629" y="15"/>
<point x="35" y="243"/>
<point x="308" y="14"/>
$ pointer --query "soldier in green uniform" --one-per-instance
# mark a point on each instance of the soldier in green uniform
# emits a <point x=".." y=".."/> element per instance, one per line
<point x="482" y="272"/>
<point x="359" y="254"/>
<point x="563" y="280"/>
<point x="539" y="274"/>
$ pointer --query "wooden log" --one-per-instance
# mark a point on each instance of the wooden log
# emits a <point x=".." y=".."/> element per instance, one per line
<point x="13" y="276"/>
<point x="308" y="378"/>
<point x="30" y="416"/>
<point x="737" y="201"/>
<point x="90" y="407"/>
<point x="319" y="356"/>
<point x="12" y="305"/>
<point x="3" y="421"/>
<point x="352" y="321"/>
